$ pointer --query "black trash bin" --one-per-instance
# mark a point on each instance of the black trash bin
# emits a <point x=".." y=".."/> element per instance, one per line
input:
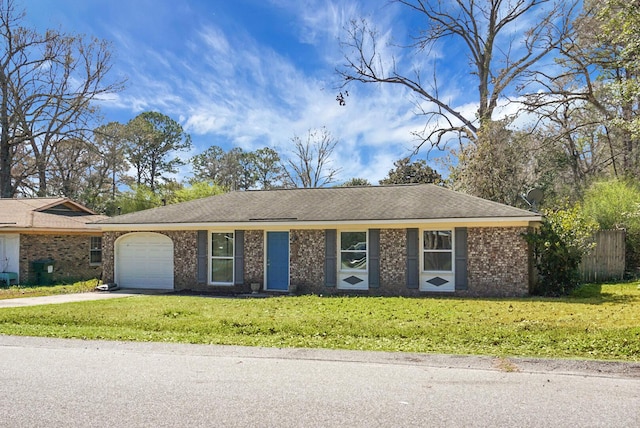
<point x="43" y="269"/>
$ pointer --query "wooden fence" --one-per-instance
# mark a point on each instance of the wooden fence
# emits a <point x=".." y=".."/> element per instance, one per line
<point x="606" y="261"/>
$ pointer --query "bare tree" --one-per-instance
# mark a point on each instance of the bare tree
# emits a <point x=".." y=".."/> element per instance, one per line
<point x="502" y="48"/>
<point x="23" y="171"/>
<point x="89" y="171"/>
<point x="575" y="147"/>
<point x="68" y="168"/>
<point x="600" y="74"/>
<point x="48" y="85"/>
<point x="310" y="162"/>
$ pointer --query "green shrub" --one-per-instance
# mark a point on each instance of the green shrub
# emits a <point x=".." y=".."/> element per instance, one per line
<point x="558" y="246"/>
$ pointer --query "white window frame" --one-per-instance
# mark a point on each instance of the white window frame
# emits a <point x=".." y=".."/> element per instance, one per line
<point x="366" y="251"/>
<point x="95" y="250"/>
<point x="212" y="257"/>
<point x="451" y="251"/>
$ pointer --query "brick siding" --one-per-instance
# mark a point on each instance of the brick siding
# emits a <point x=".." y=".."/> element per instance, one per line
<point x="498" y="262"/>
<point x="108" y="240"/>
<point x="254" y="256"/>
<point x="307" y="261"/>
<point x="185" y="257"/>
<point x="70" y="254"/>
<point x="393" y="263"/>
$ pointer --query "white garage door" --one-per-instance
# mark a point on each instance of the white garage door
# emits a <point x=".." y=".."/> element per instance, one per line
<point x="144" y="260"/>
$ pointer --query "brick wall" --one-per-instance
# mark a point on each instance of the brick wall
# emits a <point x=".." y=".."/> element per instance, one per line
<point x="498" y="263"/>
<point x="307" y="261"/>
<point x="69" y="252"/>
<point x="254" y="256"/>
<point x="185" y="258"/>
<point x="108" y="240"/>
<point x="393" y="263"/>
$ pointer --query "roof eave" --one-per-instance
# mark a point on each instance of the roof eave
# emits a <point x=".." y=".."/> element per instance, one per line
<point x="487" y="221"/>
<point x="48" y="230"/>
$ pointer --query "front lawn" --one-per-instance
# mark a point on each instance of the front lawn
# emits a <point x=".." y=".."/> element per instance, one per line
<point x="15" y="291"/>
<point x="599" y="322"/>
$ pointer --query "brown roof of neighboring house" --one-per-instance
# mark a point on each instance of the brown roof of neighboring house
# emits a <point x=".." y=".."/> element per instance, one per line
<point x="59" y="214"/>
<point x="365" y="203"/>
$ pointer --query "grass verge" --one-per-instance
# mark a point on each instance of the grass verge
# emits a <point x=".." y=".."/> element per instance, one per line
<point x="599" y="322"/>
<point x="15" y="291"/>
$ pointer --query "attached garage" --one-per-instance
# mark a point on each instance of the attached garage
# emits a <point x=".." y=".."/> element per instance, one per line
<point x="144" y="260"/>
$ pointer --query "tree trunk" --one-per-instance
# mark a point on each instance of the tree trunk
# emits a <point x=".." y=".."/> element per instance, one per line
<point x="42" y="178"/>
<point x="6" y="189"/>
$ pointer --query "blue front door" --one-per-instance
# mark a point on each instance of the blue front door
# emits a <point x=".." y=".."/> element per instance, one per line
<point x="278" y="261"/>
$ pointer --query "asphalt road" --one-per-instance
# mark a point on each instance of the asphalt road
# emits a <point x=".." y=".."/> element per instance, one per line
<point x="74" y="383"/>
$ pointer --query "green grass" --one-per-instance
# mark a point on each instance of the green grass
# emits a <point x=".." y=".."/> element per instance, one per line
<point x="598" y="322"/>
<point x="16" y="291"/>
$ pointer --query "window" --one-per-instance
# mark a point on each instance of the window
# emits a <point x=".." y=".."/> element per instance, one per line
<point x="222" y="258"/>
<point x="353" y="251"/>
<point x="437" y="250"/>
<point x="95" y="253"/>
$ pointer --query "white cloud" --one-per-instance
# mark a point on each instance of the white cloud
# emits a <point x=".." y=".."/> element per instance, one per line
<point x="229" y="85"/>
<point x="229" y="89"/>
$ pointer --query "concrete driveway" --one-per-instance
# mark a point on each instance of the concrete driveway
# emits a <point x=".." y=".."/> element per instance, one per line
<point x="68" y="298"/>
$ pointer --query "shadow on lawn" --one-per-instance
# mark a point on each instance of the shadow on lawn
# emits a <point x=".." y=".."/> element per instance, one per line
<point x="597" y="294"/>
<point x="587" y="294"/>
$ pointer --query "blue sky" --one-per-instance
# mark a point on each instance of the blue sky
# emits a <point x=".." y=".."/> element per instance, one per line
<point x="251" y="73"/>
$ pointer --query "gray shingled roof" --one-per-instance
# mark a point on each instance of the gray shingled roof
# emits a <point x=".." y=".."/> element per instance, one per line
<point x="366" y="203"/>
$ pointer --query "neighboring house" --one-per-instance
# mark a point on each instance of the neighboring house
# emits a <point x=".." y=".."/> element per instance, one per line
<point x="404" y="240"/>
<point x="53" y="229"/>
